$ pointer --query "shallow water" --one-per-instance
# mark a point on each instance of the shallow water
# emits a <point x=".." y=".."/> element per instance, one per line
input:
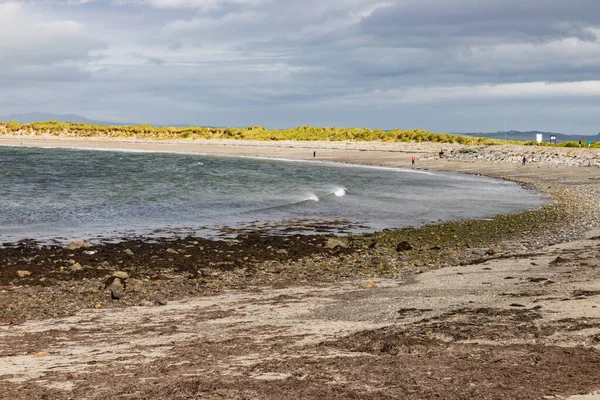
<point x="65" y="194"/>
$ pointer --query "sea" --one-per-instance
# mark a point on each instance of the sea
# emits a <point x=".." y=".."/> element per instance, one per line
<point x="57" y="195"/>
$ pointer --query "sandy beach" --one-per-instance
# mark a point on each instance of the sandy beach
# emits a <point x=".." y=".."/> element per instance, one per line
<point x="502" y="309"/>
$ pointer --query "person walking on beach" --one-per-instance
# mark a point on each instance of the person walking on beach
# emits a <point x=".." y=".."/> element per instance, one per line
<point x="413" y="161"/>
<point x="524" y="160"/>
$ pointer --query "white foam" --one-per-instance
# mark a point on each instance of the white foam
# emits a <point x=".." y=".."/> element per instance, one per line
<point x="340" y="192"/>
<point x="312" y="197"/>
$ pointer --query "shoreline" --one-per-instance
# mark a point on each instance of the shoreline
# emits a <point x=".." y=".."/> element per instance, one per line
<point x="337" y="155"/>
<point x="270" y="317"/>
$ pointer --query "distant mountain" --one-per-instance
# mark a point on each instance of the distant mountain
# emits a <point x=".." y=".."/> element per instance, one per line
<point x="40" y="116"/>
<point x="531" y="136"/>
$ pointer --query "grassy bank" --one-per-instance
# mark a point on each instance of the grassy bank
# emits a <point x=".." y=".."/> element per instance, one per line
<point x="302" y="133"/>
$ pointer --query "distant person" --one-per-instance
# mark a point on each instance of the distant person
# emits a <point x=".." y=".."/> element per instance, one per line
<point x="580" y="143"/>
<point x="314" y="154"/>
<point x="589" y="144"/>
<point x="441" y="153"/>
<point x="524" y="160"/>
<point x="413" y="161"/>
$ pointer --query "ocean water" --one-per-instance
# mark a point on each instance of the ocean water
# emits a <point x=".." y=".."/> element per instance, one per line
<point x="58" y="194"/>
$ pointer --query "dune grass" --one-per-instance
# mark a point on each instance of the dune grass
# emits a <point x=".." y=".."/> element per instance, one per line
<point x="302" y="133"/>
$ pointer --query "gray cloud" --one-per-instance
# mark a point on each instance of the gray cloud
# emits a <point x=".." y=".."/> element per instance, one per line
<point x="445" y="66"/>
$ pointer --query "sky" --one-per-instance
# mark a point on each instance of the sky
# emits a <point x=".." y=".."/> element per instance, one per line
<point x="439" y="65"/>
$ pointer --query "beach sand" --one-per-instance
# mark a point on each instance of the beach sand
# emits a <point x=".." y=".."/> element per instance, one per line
<point x="516" y="319"/>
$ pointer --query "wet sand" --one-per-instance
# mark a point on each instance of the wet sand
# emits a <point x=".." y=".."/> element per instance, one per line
<point x="513" y="319"/>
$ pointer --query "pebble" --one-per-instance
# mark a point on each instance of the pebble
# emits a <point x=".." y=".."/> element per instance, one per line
<point x="77" y="244"/>
<point x="117" y="290"/>
<point x="120" y="275"/>
<point x="76" y="267"/>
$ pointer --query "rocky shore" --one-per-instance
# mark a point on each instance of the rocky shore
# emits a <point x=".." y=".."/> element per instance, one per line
<point x="280" y="303"/>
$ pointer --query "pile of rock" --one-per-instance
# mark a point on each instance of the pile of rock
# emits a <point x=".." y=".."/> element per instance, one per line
<point x="539" y="155"/>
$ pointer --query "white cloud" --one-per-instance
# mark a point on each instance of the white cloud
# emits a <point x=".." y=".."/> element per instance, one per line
<point x="31" y="39"/>
<point x="205" y="5"/>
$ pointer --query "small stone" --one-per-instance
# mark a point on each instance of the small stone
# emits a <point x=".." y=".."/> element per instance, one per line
<point x="76" y="267"/>
<point x="282" y="252"/>
<point x="403" y="246"/>
<point x="116" y="289"/>
<point x="98" y="305"/>
<point x="172" y="251"/>
<point x="120" y="275"/>
<point x="135" y="283"/>
<point x="41" y="354"/>
<point x="128" y="252"/>
<point x="494" y="250"/>
<point x="160" y="300"/>
<point x="23" y="274"/>
<point x="78" y="244"/>
<point x="369" y="285"/>
<point x="332" y="243"/>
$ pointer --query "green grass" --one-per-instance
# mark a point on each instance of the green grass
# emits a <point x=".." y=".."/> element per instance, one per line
<point x="302" y="133"/>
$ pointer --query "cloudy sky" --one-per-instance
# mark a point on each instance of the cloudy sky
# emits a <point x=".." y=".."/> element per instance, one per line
<point x="441" y="65"/>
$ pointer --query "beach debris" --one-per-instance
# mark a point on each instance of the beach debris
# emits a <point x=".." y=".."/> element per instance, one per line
<point x="128" y="252"/>
<point x="172" y="251"/>
<point x="41" y="354"/>
<point x="23" y="273"/>
<point x="332" y="243"/>
<point x="403" y="246"/>
<point x="78" y="244"/>
<point x="160" y="300"/>
<point x="76" y="267"/>
<point x="90" y="252"/>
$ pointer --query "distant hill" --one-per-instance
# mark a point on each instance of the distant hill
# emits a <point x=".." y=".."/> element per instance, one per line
<point x="531" y="136"/>
<point x="41" y="116"/>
